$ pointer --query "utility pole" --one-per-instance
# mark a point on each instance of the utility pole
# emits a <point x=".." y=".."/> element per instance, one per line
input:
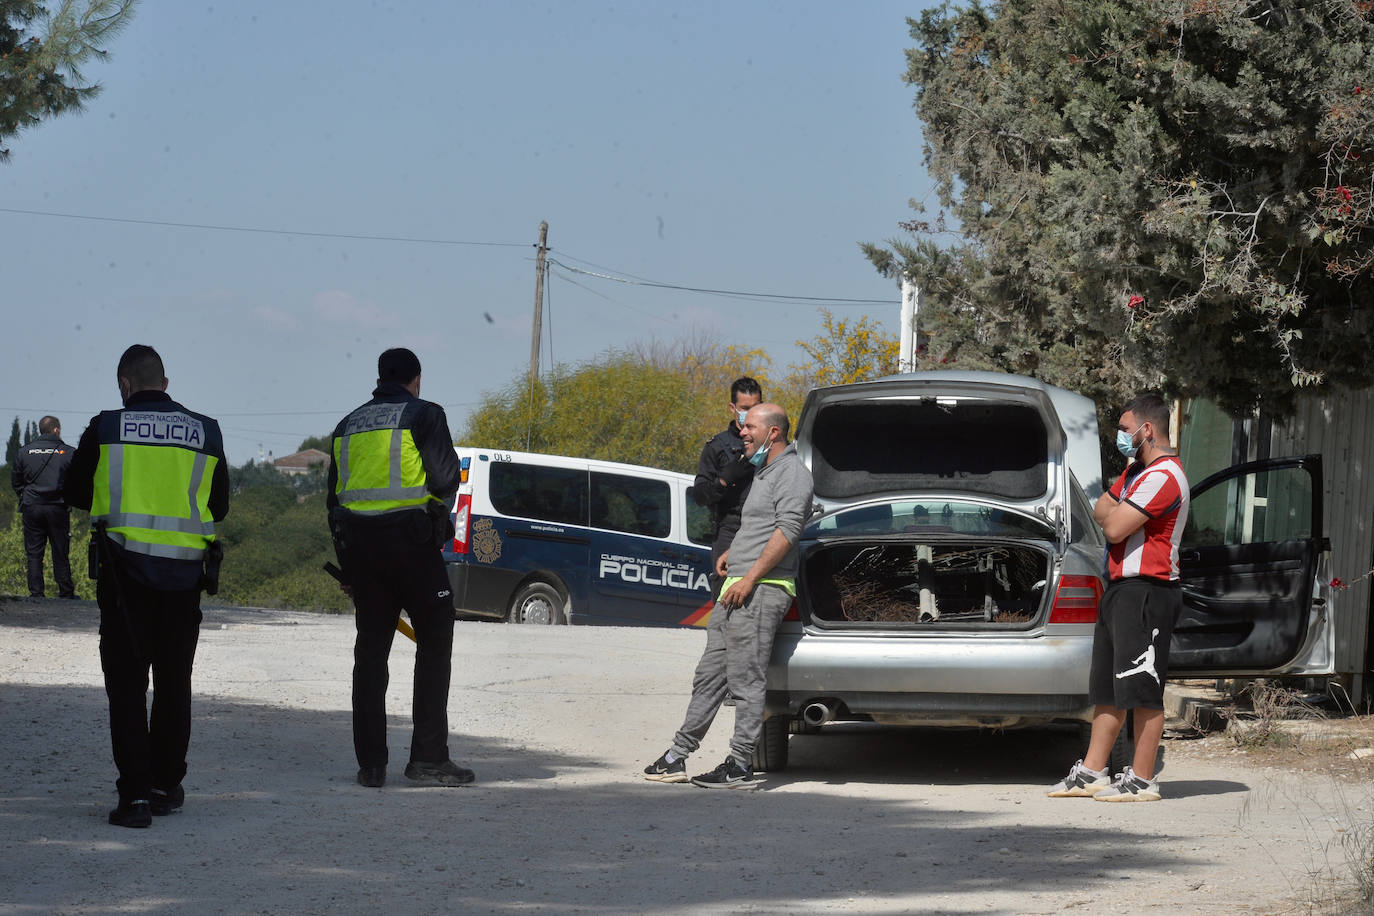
<point x="538" y="301"/>
<point x="906" y="331"/>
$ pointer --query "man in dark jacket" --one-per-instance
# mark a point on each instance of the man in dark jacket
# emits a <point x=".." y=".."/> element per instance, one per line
<point x="391" y="484"/>
<point x="723" y="474"/>
<point x="156" y="481"/>
<point x="37" y="475"/>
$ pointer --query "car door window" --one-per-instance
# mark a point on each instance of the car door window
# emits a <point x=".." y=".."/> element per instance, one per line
<point x="1263" y="506"/>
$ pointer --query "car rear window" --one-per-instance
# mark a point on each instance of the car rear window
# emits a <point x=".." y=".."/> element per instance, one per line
<point x="904" y="516"/>
<point x="901" y="445"/>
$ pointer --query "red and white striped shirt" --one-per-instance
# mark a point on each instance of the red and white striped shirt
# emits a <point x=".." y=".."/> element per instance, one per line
<point x="1161" y="492"/>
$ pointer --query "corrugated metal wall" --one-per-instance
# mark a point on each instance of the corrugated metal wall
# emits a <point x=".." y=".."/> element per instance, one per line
<point x="1340" y="427"/>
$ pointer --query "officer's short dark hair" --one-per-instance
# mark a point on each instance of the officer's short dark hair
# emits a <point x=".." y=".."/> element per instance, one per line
<point x="141" y="365"/>
<point x="398" y="365"/>
<point x="745" y="385"/>
<point x="1149" y="405"/>
<point x="48" y="425"/>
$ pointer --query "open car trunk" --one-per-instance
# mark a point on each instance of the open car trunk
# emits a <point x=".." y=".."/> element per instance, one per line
<point x="927" y="584"/>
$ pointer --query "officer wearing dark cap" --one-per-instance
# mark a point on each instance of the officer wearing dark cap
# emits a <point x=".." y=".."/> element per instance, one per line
<point x="391" y="483"/>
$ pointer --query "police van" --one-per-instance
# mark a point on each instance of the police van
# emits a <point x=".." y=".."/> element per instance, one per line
<point x="544" y="539"/>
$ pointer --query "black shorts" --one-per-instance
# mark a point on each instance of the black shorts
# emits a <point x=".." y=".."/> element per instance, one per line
<point x="1131" y="643"/>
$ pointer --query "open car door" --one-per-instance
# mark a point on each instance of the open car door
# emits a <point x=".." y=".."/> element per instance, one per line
<point x="1252" y="560"/>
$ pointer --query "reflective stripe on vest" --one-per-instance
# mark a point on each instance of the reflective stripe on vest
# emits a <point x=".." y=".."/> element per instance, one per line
<point x="379" y="467"/>
<point x="140" y="513"/>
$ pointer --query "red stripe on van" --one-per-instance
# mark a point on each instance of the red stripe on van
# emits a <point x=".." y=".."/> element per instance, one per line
<point x="698" y="618"/>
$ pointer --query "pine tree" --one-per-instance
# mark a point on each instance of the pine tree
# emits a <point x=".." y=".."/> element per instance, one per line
<point x="30" y="432"/>
<point x="39" y="75"/>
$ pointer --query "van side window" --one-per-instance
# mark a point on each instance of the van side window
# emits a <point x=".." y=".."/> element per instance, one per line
<point x="634" y="505"/>
<point x="698" y="523"/>
<point x="539" y="492"/>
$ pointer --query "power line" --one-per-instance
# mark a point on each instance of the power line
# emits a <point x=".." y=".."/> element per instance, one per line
<point x="263" y="231"/>
<point x="615" y="276"/>
<point x="736" y="294"/>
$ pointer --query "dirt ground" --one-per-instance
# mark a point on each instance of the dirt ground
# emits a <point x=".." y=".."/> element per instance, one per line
<point x="558" y="722"/>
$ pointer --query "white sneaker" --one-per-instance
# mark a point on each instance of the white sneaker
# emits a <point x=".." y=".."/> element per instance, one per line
<point x="1128" y="787"/>
<point x="1080" y="783"/>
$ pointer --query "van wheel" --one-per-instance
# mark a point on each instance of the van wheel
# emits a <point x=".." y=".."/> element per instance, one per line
<point x="770" y="753"/>
<point x="537" y="603"/>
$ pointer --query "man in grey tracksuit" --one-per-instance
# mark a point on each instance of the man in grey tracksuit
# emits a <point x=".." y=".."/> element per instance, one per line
<point x="759" y="572"/>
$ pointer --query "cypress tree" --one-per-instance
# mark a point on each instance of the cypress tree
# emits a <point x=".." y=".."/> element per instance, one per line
<point x="12" y="446"/>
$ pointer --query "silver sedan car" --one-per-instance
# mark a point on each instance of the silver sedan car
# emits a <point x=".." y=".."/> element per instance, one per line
<point x="951" y="569"/>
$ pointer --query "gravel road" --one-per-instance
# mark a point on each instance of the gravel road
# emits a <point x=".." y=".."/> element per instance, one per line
<point x="558" y="722"/>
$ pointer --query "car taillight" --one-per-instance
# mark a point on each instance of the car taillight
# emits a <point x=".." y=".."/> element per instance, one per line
<point x="460" y="524"/>
<point x="1076" y="599"/>
<point x="792" y="612"/>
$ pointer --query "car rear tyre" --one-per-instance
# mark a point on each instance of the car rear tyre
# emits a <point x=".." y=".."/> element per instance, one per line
<point x="770" y="753"/>
<point x="537" y="603"/>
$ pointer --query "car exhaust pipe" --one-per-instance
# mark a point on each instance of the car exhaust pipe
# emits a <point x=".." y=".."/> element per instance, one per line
<point x="817" y="714"/>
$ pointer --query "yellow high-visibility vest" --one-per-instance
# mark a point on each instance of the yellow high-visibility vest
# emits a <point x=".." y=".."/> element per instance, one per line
<point x="152" y="483"/>
<point x="379" y="468"/>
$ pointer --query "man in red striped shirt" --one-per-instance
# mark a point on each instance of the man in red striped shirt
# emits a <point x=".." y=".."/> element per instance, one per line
<point x="1142" y="516"/>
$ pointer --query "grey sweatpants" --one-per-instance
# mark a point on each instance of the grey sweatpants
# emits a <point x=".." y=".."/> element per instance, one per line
<point x="735" y="663"/>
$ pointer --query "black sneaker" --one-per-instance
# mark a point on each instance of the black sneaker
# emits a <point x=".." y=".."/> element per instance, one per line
<point x="163" y="802"/>
<point x="372" y="777"/>
<point x="729" y="775"/>
<point x="663" y="771"/>
<point x="132" y="814"/>
<point x="447" y="773"/>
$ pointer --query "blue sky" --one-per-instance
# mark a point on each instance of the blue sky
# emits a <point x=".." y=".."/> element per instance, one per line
<point x="734" y="146"/>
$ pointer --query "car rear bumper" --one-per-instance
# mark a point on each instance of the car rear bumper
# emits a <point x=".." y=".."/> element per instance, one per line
<point x="932" y="680"/>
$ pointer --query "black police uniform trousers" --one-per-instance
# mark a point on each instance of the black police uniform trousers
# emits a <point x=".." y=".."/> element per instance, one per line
<point x="43" y="525"/>
<point x="391" y="568"/>
<point x="158" y="630"/>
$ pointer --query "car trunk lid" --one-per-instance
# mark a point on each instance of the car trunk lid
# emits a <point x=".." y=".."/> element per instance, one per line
<point x="982" y="434"/>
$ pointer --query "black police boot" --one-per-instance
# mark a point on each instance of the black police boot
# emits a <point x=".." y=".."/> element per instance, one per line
<point x="444" y="773"/>
<point x="372" y="777"/>
<point x="133" y="813"/>
<point x="164" y="801"/>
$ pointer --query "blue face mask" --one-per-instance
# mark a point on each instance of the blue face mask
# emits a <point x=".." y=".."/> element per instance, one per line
<point x="1125" y="442"/>
<point x="760" y="456"/>
<point x="740" y="416"/>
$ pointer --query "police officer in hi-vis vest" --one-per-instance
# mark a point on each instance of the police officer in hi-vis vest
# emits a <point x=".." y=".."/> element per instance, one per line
<point x="391" y="484"/>
<point x="154" y="478"/>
